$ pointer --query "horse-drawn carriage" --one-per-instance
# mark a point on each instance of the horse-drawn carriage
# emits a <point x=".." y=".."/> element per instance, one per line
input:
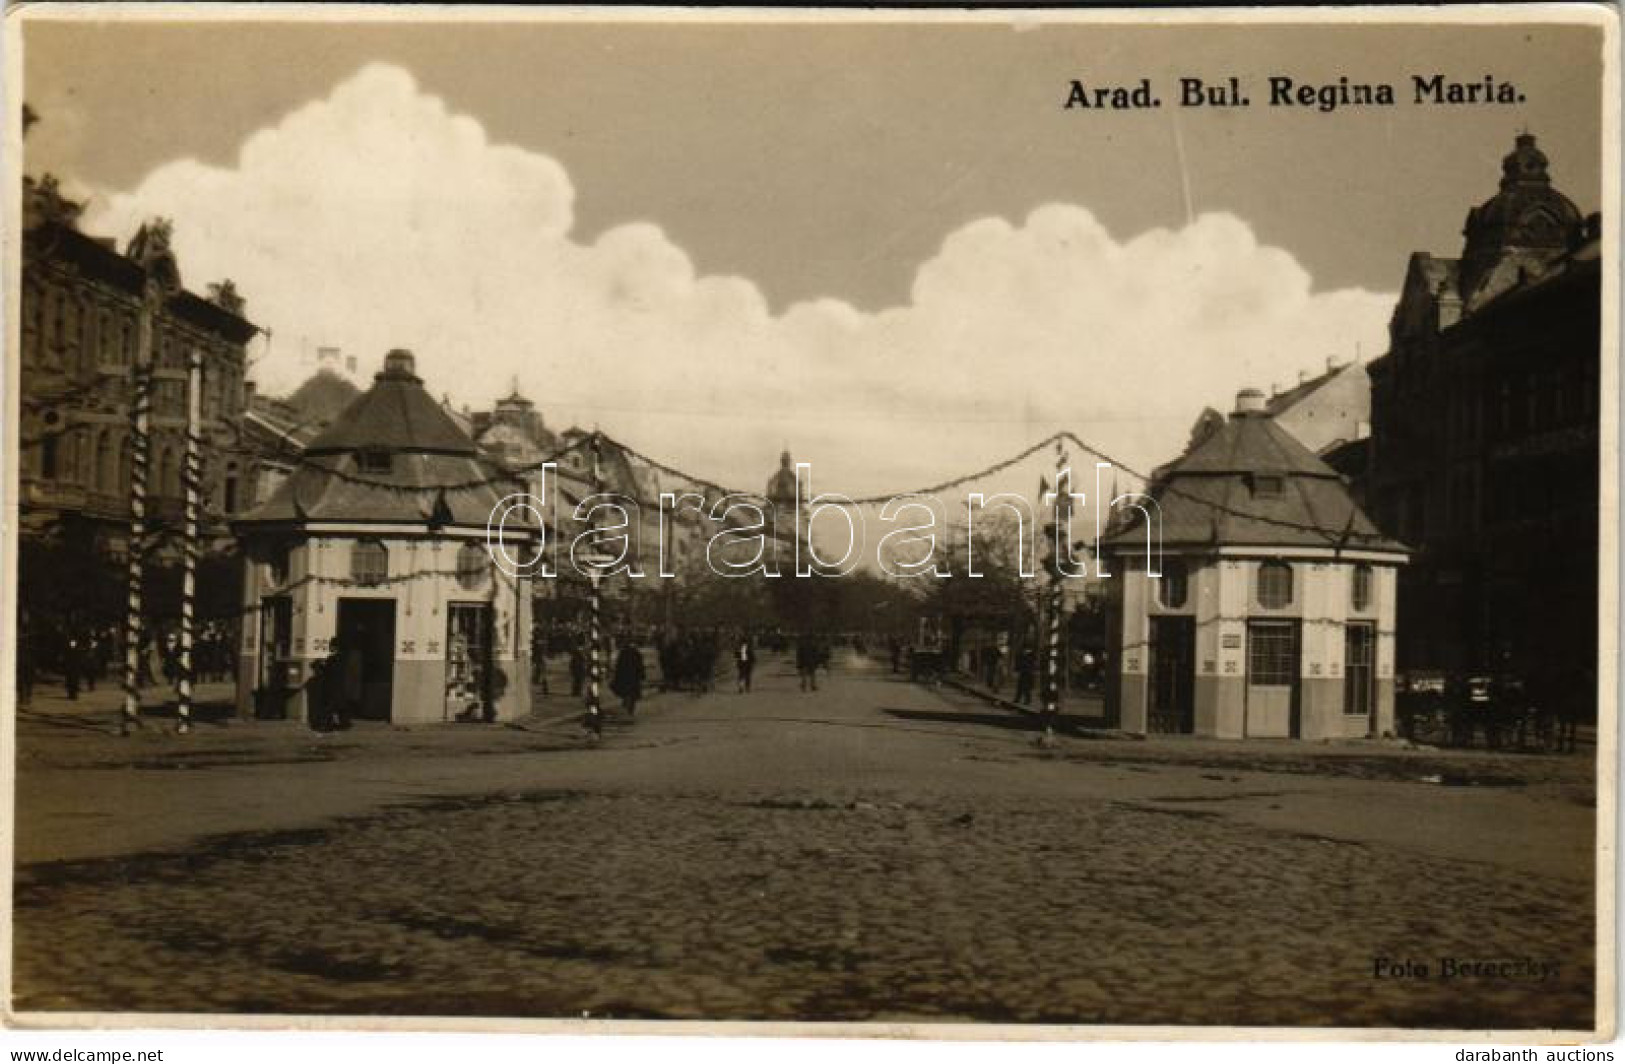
<point x="928" y="656"/>
<point x="1455" y="709"/>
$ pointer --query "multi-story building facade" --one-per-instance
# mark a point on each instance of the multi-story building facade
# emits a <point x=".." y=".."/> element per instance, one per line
<point x="80" y="332"/>
<point x="1484" y="446"/>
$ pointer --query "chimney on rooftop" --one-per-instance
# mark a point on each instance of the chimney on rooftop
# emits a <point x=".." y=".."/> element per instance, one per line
<point x="1249" y="401"/>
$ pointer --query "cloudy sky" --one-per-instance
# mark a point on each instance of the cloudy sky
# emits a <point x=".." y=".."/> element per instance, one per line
<point x="888" y="247"/>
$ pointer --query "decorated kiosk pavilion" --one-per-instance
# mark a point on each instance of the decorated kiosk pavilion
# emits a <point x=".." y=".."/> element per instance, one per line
<point x="368" y="578"/>
<point x="1271" y="610"/>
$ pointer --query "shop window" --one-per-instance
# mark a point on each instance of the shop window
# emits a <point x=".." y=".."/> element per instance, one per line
<point x="1274" y="585"/>
<point x="369" y="562"/>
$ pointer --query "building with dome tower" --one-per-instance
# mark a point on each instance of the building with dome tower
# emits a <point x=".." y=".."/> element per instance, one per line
<point x="1484" y="441"/>
<point x="786" y="500"/>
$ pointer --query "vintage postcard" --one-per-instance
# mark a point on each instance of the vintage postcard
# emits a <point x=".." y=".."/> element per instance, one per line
<point x="1020" y="524"/>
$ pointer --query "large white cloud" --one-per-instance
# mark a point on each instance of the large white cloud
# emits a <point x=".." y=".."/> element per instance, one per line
<point x="375" y="218"/>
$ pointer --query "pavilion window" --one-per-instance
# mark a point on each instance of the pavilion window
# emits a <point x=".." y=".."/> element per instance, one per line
<point x="1274" y="585"/>
<point x="473" y="565"/>
<point x="1268" y="486"/>
<point x="1360" y="579"/>
<point x="1174" y="587"/>
<point x="369" y="562"/>
<point x="1359" y="668"/>
<point x="374" y="460"/>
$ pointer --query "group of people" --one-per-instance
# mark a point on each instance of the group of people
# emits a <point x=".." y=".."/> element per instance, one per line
<point x="688" y="661"/>
<point x="81" y="655"/>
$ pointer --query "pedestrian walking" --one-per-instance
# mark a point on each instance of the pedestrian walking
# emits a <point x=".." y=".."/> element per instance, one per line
<point x="807" y="661"/>
<point x="351" y="685"/>
<point x="1026" y="668"/>
<point x="73" y="663"/>
<point x="745" y="662"/>
<point x="321" y="693"/>
<point x="627" y="681"/>
<point x="578" y="669"/>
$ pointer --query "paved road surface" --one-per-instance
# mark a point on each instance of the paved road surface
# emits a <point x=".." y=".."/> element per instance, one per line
<point x="874" y="851"/>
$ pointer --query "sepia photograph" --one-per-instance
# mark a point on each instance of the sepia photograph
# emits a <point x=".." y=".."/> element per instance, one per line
<point x="999" y="523"/>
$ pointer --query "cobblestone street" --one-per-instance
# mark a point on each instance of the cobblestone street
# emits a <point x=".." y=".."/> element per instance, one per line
<point x="875" y="851"/>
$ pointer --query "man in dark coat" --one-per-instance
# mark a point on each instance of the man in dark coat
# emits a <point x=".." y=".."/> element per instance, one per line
<point x="73" y="663"/>
<point x="808" y="657"/>
<point x="1026" y="668"/>
<point x="578" y="669"/>
<point x="627" y="681"/>
<point x="351" y="689"/>
<point x="745" y="662"/>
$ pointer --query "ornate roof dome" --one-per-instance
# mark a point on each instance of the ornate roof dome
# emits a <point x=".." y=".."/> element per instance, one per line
<point x="1528" y="221"/>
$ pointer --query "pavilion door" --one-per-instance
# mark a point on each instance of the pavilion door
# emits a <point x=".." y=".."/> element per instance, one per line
<point x="1272" y="679"/>
<point x="1172" y="706"/>
<point x="1359" y="672"/>
<point x="367" y="629"/>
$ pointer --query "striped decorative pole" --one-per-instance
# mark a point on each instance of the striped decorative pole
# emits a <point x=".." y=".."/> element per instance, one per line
<point x="595" y="710"/>
<point x="1052" y="663"/>
<point x="191" y="480"/>
<point x="140" y="449"/>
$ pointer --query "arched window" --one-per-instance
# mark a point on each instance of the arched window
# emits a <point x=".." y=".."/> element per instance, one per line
<point x="1360" y="586"/>
<point x="67" y="455"/>
<point x="56" y="327"/>
<point x="106" y="473"/>
<point x="229" y="489"/>
<point x="107" y="340"/>
<point x="1173" y="588"/>
<point x="169" y="472"/>
<point x="473" y="565"/>
<point x="1274" y="585"/>
<point x="48" y="454"/>
<point x="123" y="482"/>
<point x="369" y="562"/>
<point x="86" y="447"/>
